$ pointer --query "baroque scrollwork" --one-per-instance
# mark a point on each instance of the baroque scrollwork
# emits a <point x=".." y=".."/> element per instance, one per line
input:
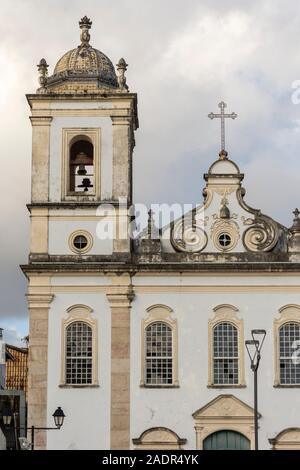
<point x="188" y="236"/>
<point x="262" y="235"/>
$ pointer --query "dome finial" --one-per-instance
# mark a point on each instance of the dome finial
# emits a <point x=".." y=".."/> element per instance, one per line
<point x="85" y="24"/>
<point x="43" y="74"/>
<point x="121" y="68"/>
<point x="296" y="222"/>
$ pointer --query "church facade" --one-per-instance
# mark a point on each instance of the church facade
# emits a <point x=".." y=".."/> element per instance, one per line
<point x="141" y="340"/>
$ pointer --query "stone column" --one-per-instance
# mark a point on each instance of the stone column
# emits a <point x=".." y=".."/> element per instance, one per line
<point x="122" y="179"/>
<point x="122" y="154"/>
<point x="120" y="296"/>
<point x="40" y="158"/>
<point x="37" y="365"/>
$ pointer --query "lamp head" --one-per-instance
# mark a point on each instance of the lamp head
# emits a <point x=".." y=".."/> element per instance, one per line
<point x="59" y="417"/>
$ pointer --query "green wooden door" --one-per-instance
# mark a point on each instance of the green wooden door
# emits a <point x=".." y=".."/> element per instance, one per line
<point x="226" y="440"/>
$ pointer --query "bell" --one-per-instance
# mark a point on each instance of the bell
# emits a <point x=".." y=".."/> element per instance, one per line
<point x="224" y="212"/>
<point x="81" y="170"/>
<point x="86" y="183"/>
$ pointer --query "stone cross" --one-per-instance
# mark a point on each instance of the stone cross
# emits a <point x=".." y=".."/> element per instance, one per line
<point x="296" y="213"/>
<point x="222" y="115"/>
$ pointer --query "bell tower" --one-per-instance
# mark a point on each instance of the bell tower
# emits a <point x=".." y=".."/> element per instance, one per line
<point x="83" y="122"/>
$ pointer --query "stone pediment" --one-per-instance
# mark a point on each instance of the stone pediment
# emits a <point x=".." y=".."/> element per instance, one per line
<point x="224" y="406"/>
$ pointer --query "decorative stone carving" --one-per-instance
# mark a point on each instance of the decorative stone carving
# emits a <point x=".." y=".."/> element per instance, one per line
<point x="85" y="24"/>
<point x="121" y="68"/>
<point x="294" y="239"/>
<point x="247" y="220"/>
<point x="43" y="71"/>
<point x="262" y="235"/>
<point x="224" y="210"/>
<point x="159" y="438"/>
<point x="187" y="235"/>
<point x="224" y="412"/>
<point x="288" y="439"/>
<point x="225" y="226"/>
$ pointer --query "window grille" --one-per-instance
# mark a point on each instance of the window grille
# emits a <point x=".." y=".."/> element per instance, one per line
<point x="289" y="343"/>
<point x="79" y="354"/>
<point x="159" y="354"/>
<point x="225" y="354"/>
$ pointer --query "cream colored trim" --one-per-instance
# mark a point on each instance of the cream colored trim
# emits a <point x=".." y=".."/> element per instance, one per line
<point x="215" y="288"/>
<point x="151" y="289"/>
<point x="226" y="313"/>
<point x="288" y="439"/>
<point x="238" y="274"/>
<point x="67" y="135"/>
<point x="77" y="218"/>
<point x="79" y="313"/>
<point x="160" y="313"/>
<point x="39" y="230"/>
<point x="84" y="233"/>
<point x="120" y="296"/>
<point x="40" y="158"/>
<point x="287" y="313"/>
<point x="109" y="112"/>
<point x="39" y="305"/>
<point x="158" y="439"/>
<point x="225" y="412"/>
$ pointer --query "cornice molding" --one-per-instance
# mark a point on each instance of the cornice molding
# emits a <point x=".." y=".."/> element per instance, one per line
<point x="39" y="300"/>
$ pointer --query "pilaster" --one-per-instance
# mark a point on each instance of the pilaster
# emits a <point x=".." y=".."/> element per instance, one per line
<point x="37" y="364"/>
<point x="40" y="157"/>
<point x="120" y="295"/>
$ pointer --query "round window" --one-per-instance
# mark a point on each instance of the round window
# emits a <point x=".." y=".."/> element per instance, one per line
<point x="224" y="240"/>
<point x="80" y="242"/>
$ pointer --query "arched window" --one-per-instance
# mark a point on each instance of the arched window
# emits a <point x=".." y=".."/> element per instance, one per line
<point x="225" y="354"/>
<point x="289" y="361"/>
<point x="79" y="354"/>
<point x="81" y="166"/>
<point x="226" y="440"/>
<point x="159" y="354"/>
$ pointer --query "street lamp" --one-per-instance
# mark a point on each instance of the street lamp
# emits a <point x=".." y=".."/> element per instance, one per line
<point x="58" y="417"/>
<point x="253" y="347"/>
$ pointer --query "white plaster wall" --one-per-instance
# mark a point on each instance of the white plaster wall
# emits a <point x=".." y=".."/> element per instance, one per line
<point x="173" y="408"/>
<point x="55" y="178"/>
<point x="87" y="422"/>
<point x="60" y="231"/>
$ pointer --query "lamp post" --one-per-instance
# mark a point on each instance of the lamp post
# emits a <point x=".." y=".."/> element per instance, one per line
<point x="253" y="347"/>
<point x="58" y="417"/>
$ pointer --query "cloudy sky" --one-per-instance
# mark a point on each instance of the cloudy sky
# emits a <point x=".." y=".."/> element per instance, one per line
<point x="184" y="57"/>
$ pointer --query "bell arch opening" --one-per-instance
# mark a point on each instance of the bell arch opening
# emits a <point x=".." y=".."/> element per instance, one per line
<point x="81" y="165"/>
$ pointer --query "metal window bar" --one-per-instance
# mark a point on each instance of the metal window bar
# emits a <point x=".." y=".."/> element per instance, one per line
<point x="225" y="354"/>
<point x="79" y="354"/>
<point x="159" y="354"/>
<point x="289" y="369"/>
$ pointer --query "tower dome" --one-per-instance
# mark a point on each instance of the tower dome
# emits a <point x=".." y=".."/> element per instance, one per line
<point x="82" y="69"/>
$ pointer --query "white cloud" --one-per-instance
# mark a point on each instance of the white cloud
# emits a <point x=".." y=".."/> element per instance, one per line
<point x="183" y="58"/>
